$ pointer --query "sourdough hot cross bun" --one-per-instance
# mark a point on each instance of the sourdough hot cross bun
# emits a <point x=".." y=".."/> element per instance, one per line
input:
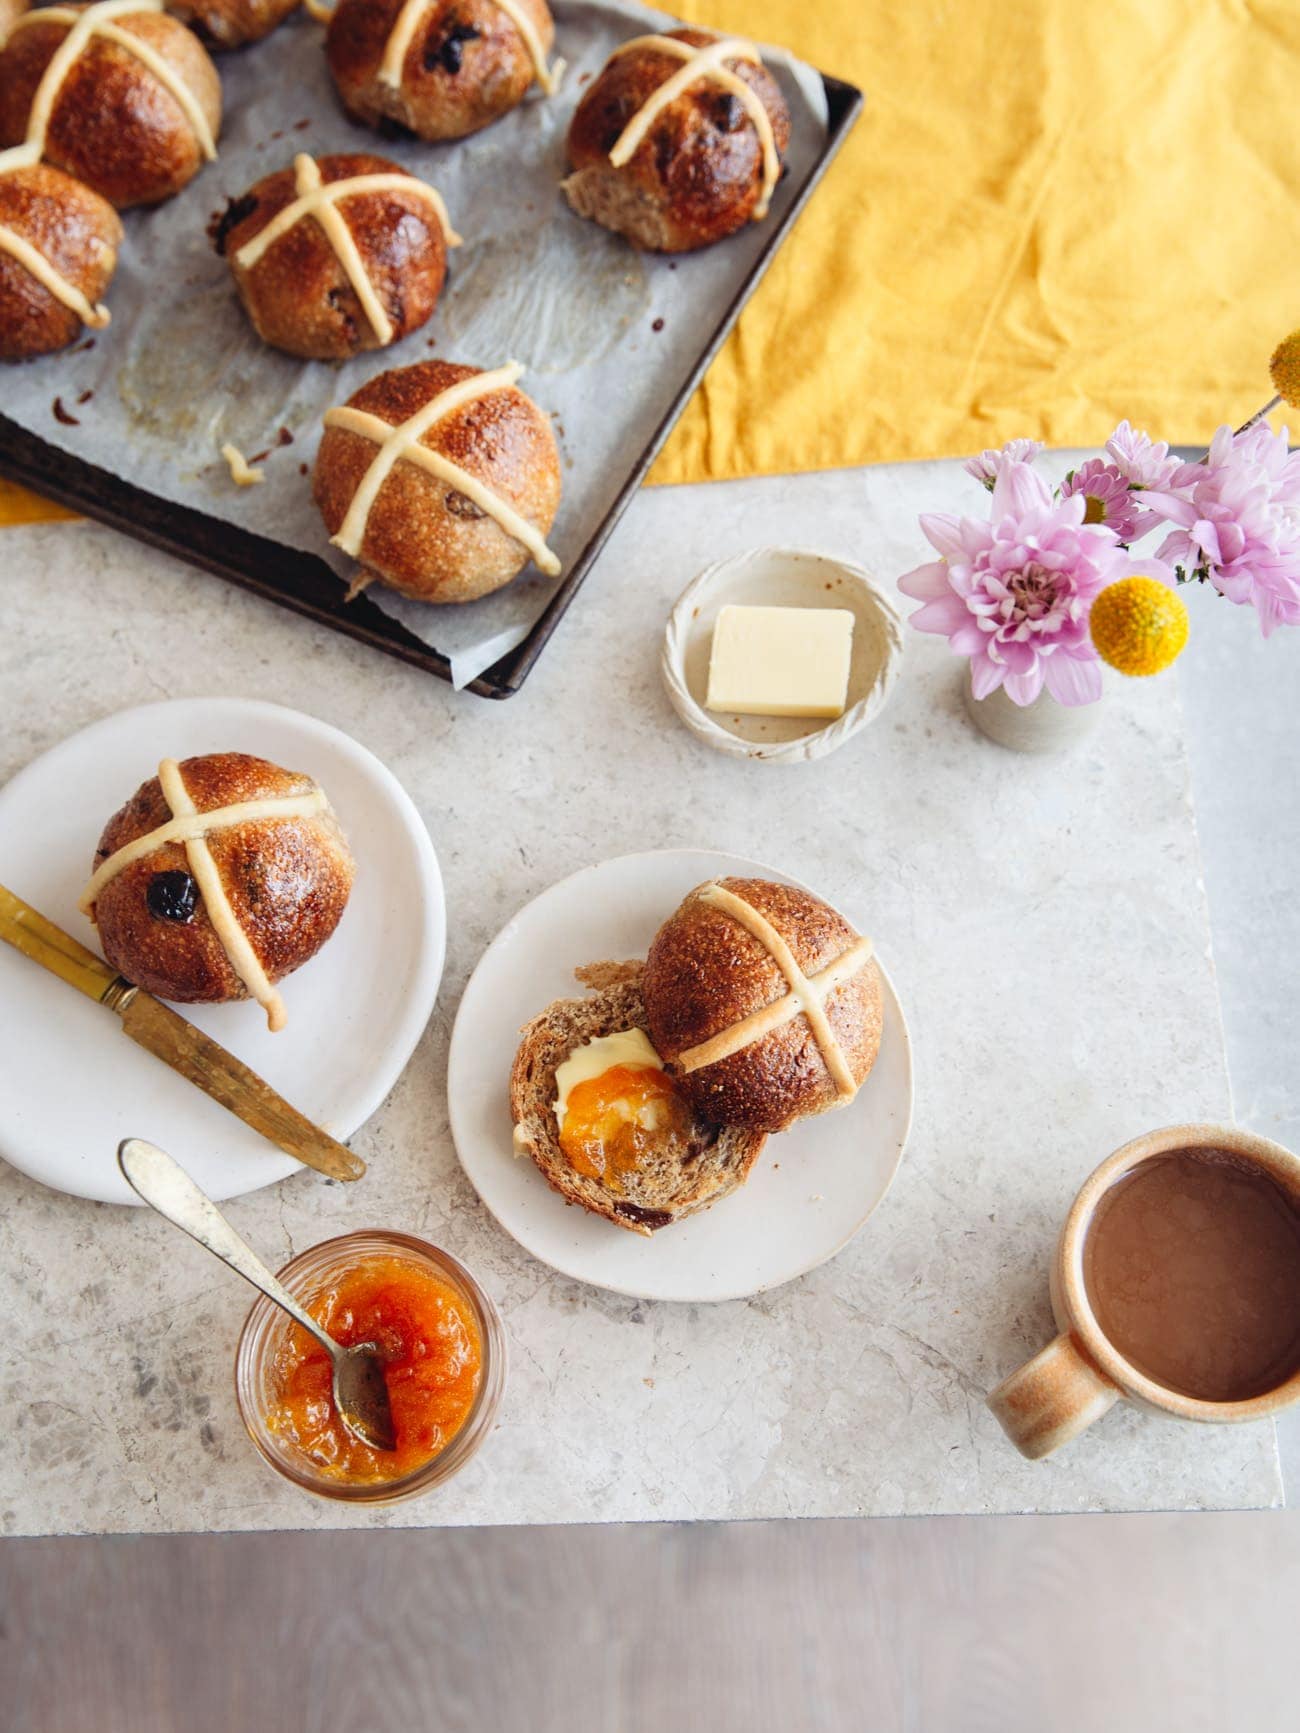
<point x="439" y="68"/>
<point x="442" y="481"/>
<point x="220" y="875"/>
<point x="135" y="112"/>
<point x="231" y="23"/>
<point x="679" y="141"/>
<point x="58" y="251"/>
<point x="763" y="1002"/>
<point x="337" y="254"/>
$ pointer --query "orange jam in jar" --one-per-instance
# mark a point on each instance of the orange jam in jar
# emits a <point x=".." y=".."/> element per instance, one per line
<point x="440" y="1339"/>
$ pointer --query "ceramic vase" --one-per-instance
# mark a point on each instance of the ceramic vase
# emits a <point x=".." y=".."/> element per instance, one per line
<point x="1043" y="726"/>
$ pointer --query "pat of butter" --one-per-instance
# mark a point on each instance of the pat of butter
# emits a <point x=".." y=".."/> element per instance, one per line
<point x="595" y="1058"/>
<point x="780" y="661"/>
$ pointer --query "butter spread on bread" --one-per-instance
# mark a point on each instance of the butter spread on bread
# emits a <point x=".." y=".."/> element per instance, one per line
<point x="626" y="1048"/>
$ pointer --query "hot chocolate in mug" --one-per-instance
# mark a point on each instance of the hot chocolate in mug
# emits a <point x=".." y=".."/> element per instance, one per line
<point x="1175" y="1284"/>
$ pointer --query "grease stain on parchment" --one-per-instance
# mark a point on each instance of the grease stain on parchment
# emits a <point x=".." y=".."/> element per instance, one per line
<point x="560" y="296"/>
<point x="197" y="370"/>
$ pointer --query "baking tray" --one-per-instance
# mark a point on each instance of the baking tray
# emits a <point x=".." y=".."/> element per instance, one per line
<point x="303" y="581"/>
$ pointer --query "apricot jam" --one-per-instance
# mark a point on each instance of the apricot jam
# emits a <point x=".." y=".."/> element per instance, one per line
<point x="433" y="1354"/>
<point x="613" y="1121"/>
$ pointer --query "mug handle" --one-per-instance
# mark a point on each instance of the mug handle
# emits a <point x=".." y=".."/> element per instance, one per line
<point x="1052" y="1398"/>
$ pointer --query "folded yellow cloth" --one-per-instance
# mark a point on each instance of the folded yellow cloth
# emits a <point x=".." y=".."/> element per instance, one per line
<point x="1050" y="216"/>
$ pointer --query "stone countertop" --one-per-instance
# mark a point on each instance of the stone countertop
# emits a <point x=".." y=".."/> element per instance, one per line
<point x="1044" y="921"/>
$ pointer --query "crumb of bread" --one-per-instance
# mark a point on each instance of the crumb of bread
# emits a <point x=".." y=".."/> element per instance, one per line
<point x="242" y="472"/>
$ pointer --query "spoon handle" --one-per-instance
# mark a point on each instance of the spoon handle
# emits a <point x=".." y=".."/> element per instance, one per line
<point x="164" y="1184"/>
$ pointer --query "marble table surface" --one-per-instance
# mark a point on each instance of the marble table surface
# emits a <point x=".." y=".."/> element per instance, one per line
<point x="1044" y="920"/>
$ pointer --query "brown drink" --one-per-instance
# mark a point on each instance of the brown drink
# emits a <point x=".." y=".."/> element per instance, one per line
<point x="1191" y="1265"/>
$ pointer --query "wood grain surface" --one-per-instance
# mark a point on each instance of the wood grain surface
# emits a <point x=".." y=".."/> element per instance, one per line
<point x="931" y="1625"/>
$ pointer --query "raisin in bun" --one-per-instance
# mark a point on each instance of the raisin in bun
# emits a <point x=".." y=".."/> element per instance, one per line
<point x="458" y="501"/>
<point x="763" y="1002"/>
<point x="221" y="875"/>
<point x="440" y="68"/>
<point x="136" y="129"/>
<point x="634" y="1152"/>
<point x="58" y="251"/>
<point x="325" y="273"/>
<point x="674" y="172"/>
<point x="231" y="23"/>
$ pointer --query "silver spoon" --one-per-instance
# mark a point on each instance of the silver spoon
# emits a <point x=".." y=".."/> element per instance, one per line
<point x="360" y="1391"/>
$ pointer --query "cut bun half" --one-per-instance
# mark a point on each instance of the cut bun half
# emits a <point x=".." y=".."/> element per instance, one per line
<point x="686" y="1175"/>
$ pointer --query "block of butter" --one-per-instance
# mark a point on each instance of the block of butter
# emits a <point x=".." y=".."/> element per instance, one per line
<point x="780" y="661"/>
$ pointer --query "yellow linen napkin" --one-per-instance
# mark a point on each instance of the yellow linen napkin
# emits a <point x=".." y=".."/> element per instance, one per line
<point x="1050" y="216"/>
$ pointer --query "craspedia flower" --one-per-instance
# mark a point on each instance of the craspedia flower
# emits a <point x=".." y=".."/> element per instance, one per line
<point x="1139" y="625"/>
<point x="1284" y="370"/>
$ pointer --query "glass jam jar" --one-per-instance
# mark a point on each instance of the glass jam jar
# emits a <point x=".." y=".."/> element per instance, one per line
<point x="273" y="1354"/>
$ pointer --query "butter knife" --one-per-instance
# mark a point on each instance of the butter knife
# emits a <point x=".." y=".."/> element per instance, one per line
<point x="162" y="1032"/>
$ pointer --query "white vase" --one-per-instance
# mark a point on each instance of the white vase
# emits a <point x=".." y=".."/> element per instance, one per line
<point x="1043" y="726"/>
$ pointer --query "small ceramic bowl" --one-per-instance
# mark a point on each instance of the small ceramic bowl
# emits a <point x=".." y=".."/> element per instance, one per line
<point x="780" y="578"/>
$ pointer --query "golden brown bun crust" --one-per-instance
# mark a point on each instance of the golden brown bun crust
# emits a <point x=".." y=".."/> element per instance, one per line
<point x="287" y="879"/>
<point x="466" y="66"/>
<point x="698" y="173"/>
<point x="77" y="231"/>
<point x="231" y="23"/>
<point x="422" y="537"/>
<point x="298" y="295"/>
<point x="705" y="972"/>
<point x="114" y="125"/>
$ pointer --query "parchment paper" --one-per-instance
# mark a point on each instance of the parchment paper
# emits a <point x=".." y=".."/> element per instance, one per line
<point x="606" y="333"/>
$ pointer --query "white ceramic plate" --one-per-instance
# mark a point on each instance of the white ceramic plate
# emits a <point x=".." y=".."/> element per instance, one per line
<point x="72" y="1085"/>
<point x="812" y="1187"/>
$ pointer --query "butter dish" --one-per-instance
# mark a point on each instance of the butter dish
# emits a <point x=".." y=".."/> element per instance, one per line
<point x="780" y="578"/>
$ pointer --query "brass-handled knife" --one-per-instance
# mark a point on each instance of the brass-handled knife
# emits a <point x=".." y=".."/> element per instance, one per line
<point x="162" y="1032"/>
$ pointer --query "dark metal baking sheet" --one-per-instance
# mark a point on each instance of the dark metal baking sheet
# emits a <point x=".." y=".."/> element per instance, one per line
<point x="304" y="582"/>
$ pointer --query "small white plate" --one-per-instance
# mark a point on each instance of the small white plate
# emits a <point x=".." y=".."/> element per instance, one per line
<point x="812" y="1187"/>
<point x="780" y="578"/>
<point x="72" y="1085"/>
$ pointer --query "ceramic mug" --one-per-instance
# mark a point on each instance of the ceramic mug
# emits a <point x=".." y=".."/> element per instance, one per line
<point x="1080" y="1375"/>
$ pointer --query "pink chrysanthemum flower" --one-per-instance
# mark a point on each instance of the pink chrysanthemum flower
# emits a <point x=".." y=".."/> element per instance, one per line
<point x="1236" y="519"/>
<point x="1014" y="593"/>
<point x="1107" y="497"/>
<point x="1141" y="461"/>
<point x="988" y="465"/>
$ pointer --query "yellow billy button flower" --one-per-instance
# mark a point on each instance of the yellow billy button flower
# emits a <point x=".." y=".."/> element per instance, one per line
<point x="1284" y="370"/>
<point x="1139" y="625"/>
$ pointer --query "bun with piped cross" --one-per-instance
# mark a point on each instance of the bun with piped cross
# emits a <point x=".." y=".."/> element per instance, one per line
<point x="440" y="68"/>
<point x="118" y="94"/>
<point x="58" y="251"/>
<point x="337" y="254"/>
<point x="763" y="1002"/>
<point x="440" y="480"/>
<point x="232" y="23"/>
<point x="221" y="875"/>
<point x="679" y="141"/>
